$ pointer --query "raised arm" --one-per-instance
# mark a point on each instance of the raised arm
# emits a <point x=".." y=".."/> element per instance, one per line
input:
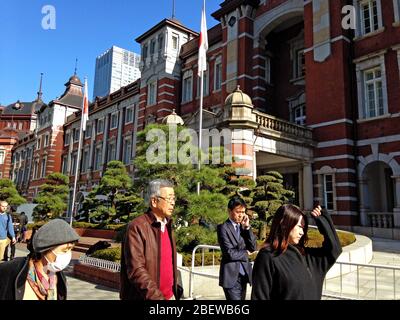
<point x="331" y="247"/>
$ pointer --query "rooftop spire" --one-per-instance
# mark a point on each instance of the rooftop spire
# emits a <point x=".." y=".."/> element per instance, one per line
<point x="76" y="66"/>
<point x="173" y="9"/>
<point x="39" y="97"/>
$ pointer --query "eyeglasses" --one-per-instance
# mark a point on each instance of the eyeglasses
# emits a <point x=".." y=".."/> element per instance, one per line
<point x="169" y="200"/>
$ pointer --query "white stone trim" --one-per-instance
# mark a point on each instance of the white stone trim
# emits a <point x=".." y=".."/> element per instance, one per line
<point x="330" y="123"/>
<point x="163" y="109"/>
<point x="345" y="213"/>
<point x="330" y="41"/>
<point x="347" y="198"/>
<point x="167" y="93"/>
<point x="259" y="88"/>
<point x="346" y="184"/>
<point x="380" y="140"/>
<point x="342" y="156"/>
<point x="258" y="56"/>
<point x="166" y="85"/>
<point x="334" y="143"/>
<point x="242" y="157"/>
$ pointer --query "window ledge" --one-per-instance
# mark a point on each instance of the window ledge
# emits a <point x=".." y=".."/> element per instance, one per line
<point x="216" y="91"/>
<point x="396" y="24"/>
<point x="186" y="102"/>
<point x="371" y="34"/>
<point x="297" y="81"/>
<point x="385" y="116"/>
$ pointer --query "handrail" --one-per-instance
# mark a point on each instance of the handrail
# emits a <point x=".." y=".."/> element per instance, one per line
<point x="200" y="246"/>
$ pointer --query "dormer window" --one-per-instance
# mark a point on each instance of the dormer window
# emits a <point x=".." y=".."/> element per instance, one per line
<point x="152" y="46"/>
<point x="144" y="53"/>
<point x="175" y="42"/>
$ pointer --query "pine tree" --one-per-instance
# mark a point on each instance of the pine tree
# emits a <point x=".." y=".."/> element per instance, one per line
<point x="9" y="193"/>
<point x="52" y="198"/>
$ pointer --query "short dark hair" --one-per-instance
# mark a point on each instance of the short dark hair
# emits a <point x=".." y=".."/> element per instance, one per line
<point x="236" y="201"/>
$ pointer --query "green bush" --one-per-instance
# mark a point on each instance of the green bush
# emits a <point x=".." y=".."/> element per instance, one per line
<point x="86" y="225"/>
<point x="110" y="254"/>
<point x="34" y="225"/>
<point x="208" y="258"/>
<point x="187" y="238"/>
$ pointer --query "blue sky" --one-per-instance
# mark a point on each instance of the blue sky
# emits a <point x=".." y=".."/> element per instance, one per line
<point x="84" y="30"/>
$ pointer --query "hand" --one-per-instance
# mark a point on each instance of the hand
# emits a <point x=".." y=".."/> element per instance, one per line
<point x="245" y="222"/>
<point x="316" y="211"/>
<point x="13" y="241"/>
<point x="249" y="253"/>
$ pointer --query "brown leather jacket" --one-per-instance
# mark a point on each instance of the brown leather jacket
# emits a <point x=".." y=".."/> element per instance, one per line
<point x="140" y="260"/>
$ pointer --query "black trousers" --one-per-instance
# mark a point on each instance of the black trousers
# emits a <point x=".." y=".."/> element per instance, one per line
<point x="238" y="291"/>
<point x="12" y="255"/>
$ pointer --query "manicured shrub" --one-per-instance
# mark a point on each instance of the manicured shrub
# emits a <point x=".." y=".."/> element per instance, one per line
<point x="110" y="254"/>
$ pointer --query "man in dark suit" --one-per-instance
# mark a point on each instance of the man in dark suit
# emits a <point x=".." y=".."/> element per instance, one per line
<point x="237" y="242"/>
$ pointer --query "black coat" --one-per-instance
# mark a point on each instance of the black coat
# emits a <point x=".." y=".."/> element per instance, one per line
<point x="13" y="275"/>
<point x="234" y="253"/>
<point x="293" y="276"/>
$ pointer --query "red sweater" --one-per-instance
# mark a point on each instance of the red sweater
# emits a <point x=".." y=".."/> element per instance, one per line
<point x="166" y="268"/>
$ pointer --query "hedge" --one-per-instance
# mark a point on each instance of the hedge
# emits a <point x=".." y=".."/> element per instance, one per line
<point x="85" y="225"/>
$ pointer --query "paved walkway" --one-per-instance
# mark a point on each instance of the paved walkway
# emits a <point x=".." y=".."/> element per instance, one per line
<point x="386" y="253"/>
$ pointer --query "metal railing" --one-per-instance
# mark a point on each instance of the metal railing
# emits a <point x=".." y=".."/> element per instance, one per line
<point x="100" y="263"/>
<point x="204" y="247"/>
<point x="364" y="281"/>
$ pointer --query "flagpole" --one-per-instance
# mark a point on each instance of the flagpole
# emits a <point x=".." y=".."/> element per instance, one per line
<point x="200" y="124"/>
<point x="78" y="158"/>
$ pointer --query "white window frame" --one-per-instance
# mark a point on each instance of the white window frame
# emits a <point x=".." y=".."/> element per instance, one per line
<point x="127" y="158"/>
<point x="127" y="110"/>
<point x="115" y="116"/>
<point x="206" y="83"/>
<point x="46" y="140"/>
<point x="218" y="84"/>
<point x="38" y="144"/>
<point x="396" y="9"/>
<point x="175" y="36"/>
<point x="100" y="120"/>
<point x="152" y="93"/>
<point x="97" y="159"/>
<point x="85" y="160"/>
<point x="65" y="164"/>
<point x="322" y="173"/>
<point x="88" y="131"/>
<point x="67" y="138"/>
<point x="43" y="168"/>
<point x="2" y="156"/>
<point x="112" y="146"/>
<point x="296" y="45"/>
<point x="361" y="67"/>
<point x="360" y="30"/>
<point x="187" y="86"/>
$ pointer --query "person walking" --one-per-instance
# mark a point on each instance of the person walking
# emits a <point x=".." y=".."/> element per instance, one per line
<point x="6" y="229"/>
<point x="39" y="276"/>
<point x="23" y="220"/>
<point x="17" y="233"/>
<point x="287" y="270"/>
<point x="237" y="242"/>
<point x="148" y="255"/>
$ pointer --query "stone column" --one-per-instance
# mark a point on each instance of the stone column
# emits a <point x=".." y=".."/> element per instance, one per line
<point x="396" y="210"/>
<point x="363" y="192"/>
<point x="301" y="193"/>
<point x="308" y="186"/>
<point x="254" y="165"/>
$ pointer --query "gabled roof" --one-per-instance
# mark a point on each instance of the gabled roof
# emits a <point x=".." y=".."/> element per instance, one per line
<point x="191" y="47"/>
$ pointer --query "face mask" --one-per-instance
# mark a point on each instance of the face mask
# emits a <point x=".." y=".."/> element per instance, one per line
<point x="62" y="261"/>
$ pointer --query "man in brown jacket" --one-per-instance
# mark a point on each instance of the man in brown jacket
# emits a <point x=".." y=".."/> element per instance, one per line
<point x="148" y="259"/>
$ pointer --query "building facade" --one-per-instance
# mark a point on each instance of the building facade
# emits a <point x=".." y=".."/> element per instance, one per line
<point x="115" y="68"/>
<point x="301" y="92"/>
<point x="38" y="153"/>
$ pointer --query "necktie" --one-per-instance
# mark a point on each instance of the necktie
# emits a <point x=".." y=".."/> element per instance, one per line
<point x="241" y="270"/>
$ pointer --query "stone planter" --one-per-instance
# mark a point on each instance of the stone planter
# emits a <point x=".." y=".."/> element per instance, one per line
<point x="97" y="275"/>
<point x="96" y="233"/>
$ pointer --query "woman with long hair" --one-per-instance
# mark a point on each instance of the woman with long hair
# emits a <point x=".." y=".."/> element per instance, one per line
<point x="285" y="269"/>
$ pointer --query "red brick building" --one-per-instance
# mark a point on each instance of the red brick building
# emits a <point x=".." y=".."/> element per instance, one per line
<point x="38" y="154"/>
<point x="324" y="107"/>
